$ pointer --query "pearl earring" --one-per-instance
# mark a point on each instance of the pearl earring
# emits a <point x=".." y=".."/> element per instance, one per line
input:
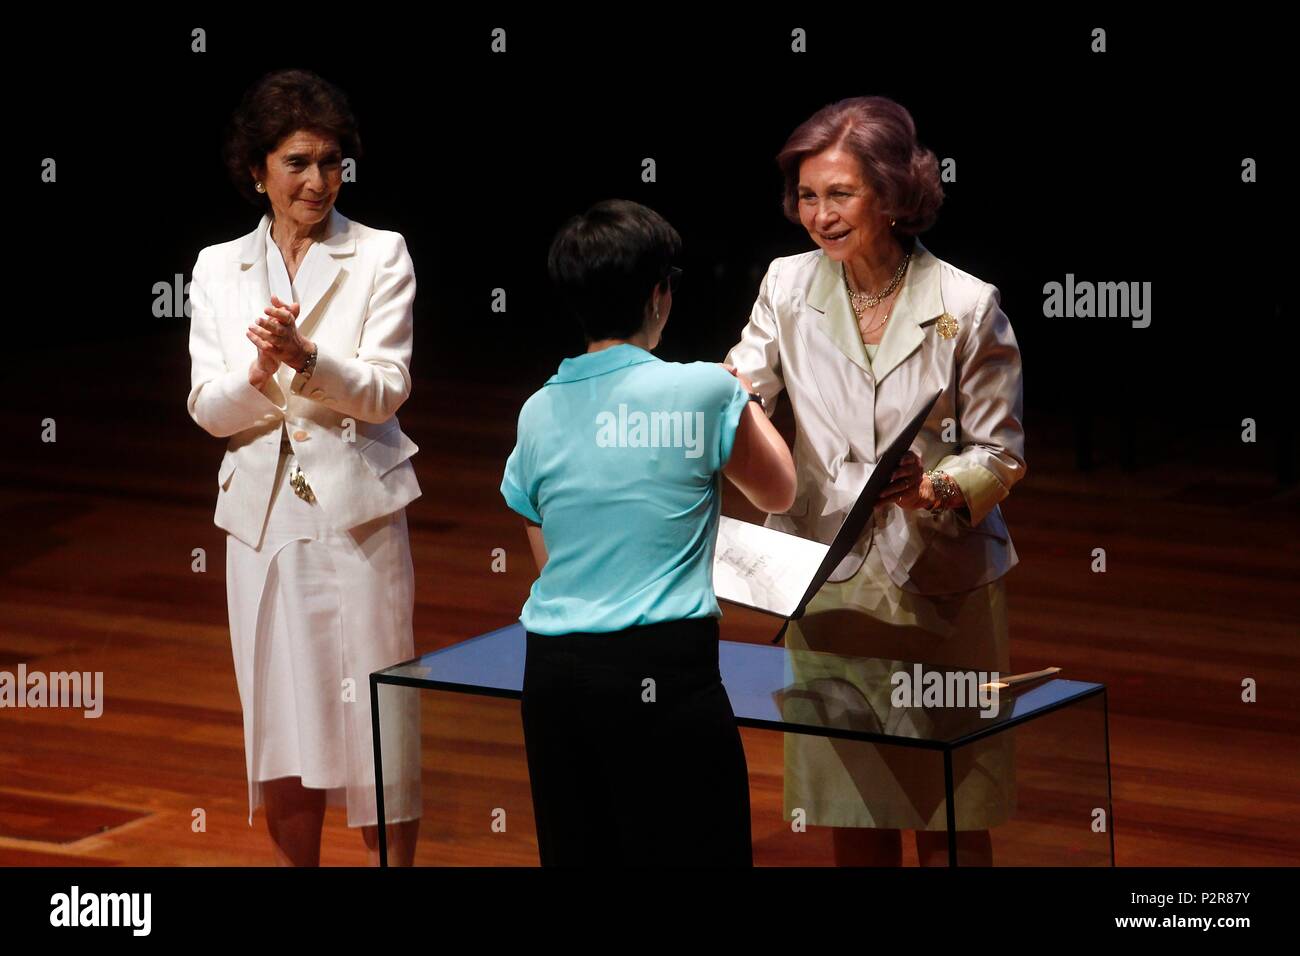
<point x="259" y="187"/>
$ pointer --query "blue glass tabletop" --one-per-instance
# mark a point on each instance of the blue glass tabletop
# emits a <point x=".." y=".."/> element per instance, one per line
<point x="860" y="698"/>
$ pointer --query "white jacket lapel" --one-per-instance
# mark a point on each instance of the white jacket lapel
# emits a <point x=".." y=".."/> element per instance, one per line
<point x="919" y="302"/>
<point x="339" y="241"/>
<point x="827" y="295"/>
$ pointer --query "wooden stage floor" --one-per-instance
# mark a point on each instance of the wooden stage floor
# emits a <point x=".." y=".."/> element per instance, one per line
<point x="1201" y="592"/>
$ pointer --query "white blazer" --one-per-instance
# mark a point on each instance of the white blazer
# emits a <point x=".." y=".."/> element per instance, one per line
<point x="357" y="308"/>
<point x="948" y="331"/>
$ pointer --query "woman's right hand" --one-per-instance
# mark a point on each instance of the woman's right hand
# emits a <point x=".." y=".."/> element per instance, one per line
<point x="263" y="367"/>
<point x="745" y="383"/>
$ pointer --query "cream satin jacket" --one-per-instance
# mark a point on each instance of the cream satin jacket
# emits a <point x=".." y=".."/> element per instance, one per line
<point x="947" y="331"/>
<point x="342" y="422"/>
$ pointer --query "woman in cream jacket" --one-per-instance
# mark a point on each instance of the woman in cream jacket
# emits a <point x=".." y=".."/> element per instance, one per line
<point x="855" y="332"/>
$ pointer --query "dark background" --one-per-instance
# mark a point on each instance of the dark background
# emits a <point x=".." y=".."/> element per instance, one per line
<point x="1122" y="166"/>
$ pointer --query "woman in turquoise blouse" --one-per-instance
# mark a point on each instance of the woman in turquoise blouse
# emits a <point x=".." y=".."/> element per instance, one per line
<point x="633" y="753"/>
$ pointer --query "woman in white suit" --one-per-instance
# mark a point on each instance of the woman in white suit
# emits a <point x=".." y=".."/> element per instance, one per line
<point x="857" y="332"/>
<point x="300" y="340"/>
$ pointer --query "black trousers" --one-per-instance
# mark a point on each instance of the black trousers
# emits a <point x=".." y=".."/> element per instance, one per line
<point x="634" y="756"/>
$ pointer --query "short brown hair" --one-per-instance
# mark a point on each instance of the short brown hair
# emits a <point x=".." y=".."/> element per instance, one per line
<point x="279" y="105"/>
<point x="605" y="263"/>
<point x="881" y="134"/>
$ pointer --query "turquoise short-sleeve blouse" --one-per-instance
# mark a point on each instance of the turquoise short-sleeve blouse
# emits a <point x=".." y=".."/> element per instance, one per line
<point x="618" y="457"/>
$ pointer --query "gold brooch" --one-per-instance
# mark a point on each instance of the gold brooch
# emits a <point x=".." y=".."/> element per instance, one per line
<point x="298" y="481"/>
<point x="947" y="326"/>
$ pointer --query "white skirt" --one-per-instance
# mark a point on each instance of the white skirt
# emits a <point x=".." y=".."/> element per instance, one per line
<point x="313" y="612"/>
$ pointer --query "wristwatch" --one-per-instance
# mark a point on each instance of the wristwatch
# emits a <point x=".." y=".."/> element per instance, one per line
<point x="756" y="397"/>
<point x="310" y="365"/>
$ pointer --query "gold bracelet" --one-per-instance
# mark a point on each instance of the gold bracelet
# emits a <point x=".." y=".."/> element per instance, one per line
<point x="944" y="488"/>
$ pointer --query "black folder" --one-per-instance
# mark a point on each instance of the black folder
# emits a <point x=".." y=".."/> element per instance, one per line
<point x="777" y="573"/>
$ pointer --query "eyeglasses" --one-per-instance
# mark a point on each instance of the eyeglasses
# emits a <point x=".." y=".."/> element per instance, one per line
<point x="674" y="278"/>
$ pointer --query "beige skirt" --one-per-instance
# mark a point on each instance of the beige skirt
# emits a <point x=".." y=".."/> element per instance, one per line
<point x="313" y="612"/>
<point x="847" y="783"/>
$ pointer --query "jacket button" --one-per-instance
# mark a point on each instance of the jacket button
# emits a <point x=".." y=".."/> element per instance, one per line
<point x="300" y="435"/>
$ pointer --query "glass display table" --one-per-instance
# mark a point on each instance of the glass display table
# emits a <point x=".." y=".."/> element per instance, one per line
<point x="970" y="753"/>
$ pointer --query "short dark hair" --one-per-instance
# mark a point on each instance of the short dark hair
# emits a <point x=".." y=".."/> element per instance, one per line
<point x="882" y="135"/>
<point x="605" y="262"/>
<point x="278" y="105"/>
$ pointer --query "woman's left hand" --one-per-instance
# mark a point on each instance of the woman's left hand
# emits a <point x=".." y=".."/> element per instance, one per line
<point x="278" y="335"/>
<point x="909" y="488"/>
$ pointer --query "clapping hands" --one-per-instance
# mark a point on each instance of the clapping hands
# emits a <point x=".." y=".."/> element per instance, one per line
<point x="278" y="340"/>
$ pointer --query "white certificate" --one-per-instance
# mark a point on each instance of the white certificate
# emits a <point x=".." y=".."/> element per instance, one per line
<point x="762" y="568"/>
